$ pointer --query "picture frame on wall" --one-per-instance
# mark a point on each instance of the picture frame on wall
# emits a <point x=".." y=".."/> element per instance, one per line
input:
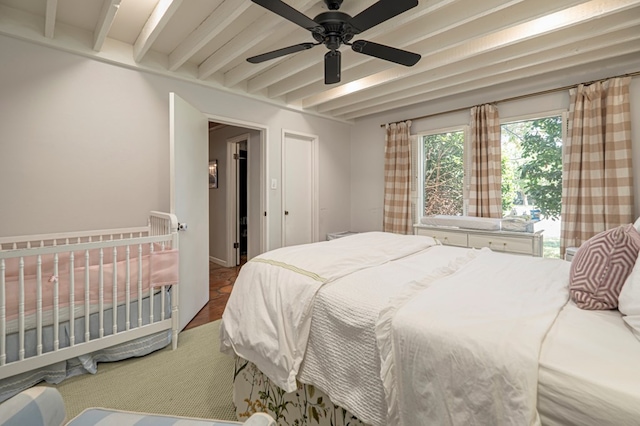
<point x="213" y="174"/>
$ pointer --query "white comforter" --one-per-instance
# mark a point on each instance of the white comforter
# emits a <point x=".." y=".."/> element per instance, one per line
<point x="268" y="315"/>
<point x="461" y="346"/>
<point x="344" y="285"/>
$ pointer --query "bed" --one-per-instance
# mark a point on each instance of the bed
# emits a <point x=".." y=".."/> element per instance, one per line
<point x="380" y="329"/>
<point x="69" y="301"/>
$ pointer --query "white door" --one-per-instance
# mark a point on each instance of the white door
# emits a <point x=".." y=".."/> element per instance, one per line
<point x="299" y="193"/>
<point x="189" y="189"/>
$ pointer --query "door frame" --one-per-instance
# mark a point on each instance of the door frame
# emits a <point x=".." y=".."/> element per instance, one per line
<point x="263" y="233"/>
<point x="315" y="199"/>
<point x="232" y="198"/>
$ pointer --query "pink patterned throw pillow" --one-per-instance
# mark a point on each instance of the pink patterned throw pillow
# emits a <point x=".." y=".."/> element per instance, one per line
<point x="601" y="265"/>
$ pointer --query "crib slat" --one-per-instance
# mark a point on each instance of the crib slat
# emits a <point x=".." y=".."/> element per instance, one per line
<point x="86" y="297"/>
<point x="39" y="305"/>
<point x="114" y="300"/>
<point x="139" y="285"/>
<point x="150" y="291"/>
<point x="72" y="300"/>
<point x="21" y="308"/>
<point x="101" y="292"/>
<point x="127" y="290"/>
<point x="3" y="313"/>
<point x="163" y="288"/>
<point x="56" y="305"/>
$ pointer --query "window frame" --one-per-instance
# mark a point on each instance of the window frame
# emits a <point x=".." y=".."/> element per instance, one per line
<point x="417" y="162"/>
<point x="562" y="113"/>
<point x="417" y="156"/>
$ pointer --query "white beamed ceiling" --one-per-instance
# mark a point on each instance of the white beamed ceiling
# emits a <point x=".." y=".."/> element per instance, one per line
<point x="466" y="45"/>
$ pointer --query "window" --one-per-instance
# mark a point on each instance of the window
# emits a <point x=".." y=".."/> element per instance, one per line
<point x="442" y="173"/>
<point x="531" y="173"/>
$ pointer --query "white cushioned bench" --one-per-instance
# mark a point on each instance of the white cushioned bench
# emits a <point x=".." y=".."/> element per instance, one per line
<point x="43" y="406"/>
<point x="104" y="416"/>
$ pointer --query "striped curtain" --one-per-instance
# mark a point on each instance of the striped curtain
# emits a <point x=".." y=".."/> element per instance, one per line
<point x="485" y="190"/>
<point x="397" y="179"/>
<point x="597" y="182"/>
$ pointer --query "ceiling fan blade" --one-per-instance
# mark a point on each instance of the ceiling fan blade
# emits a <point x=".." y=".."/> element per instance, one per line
<point x="380" y="12"/>
<point x="287" y="12"/>
<point x="280" y="52"/>
<point x="332" y="67"/>
<point x="387" y="53"/>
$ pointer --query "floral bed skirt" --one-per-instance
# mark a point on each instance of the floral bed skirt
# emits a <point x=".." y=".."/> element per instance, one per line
<point x="254" y="392"/>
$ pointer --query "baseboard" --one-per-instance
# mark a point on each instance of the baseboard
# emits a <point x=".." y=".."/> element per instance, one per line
<point x="218" y="261"/>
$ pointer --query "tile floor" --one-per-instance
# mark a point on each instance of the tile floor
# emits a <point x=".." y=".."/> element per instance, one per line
<point x="221" y="281"/>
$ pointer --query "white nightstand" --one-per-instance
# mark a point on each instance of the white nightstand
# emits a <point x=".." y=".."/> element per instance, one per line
<point x="569" y="253"/>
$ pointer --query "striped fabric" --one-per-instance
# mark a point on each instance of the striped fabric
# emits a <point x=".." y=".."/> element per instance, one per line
<point x="597" y="183"/>
<point x="105" y="417"/>
<point x="485" y="191"/>
<point x="37" y="406"/>
<point x="601" y="266"/>
<point x="397" y="180"/>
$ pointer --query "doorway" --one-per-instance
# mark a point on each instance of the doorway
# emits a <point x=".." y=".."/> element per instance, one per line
<point x="237" y="206"/>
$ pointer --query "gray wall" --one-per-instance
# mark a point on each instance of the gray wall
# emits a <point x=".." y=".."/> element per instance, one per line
<point x="85" y="144"/>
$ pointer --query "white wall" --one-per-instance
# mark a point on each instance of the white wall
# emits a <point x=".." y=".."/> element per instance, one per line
<point x="84" y="144"/>
<point x="367" y="139"/>
<point x="218" y="201"/>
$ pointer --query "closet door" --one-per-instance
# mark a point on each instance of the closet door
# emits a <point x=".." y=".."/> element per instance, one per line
<point x="299" y="193"/>
<point x="189" y="189"/>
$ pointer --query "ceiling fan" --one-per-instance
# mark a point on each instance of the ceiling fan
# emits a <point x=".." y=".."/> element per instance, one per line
<point x="334" y="28"/>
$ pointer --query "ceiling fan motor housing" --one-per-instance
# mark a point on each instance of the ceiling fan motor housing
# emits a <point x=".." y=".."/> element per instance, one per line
<point x="336" y="29"/>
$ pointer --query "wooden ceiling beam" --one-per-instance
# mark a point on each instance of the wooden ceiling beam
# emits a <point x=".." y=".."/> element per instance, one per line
<point x="50" y="18"/>
<point x="159" y="18"/>
<point x="221" y="18"/>
<point x="105" y="20"/>
<point x="267" y="25"/>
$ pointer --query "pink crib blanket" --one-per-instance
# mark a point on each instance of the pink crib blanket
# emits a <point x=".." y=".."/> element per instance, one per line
<point x="159" y="267"/>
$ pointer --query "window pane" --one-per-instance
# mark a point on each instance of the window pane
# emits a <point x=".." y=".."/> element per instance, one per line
<point x="532" y="175"/>
<point x="443" y="173"/>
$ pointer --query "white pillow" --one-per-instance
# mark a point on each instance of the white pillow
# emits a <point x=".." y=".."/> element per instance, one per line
<point x="637" y="224"/>
<point x="629" y="299"/>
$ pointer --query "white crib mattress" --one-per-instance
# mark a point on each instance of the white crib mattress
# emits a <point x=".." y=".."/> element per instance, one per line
<point x="585" y="376"/>
<point x="469" y="222"/>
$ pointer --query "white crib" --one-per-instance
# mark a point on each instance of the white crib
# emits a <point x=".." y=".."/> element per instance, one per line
<point x="64" y="296"/>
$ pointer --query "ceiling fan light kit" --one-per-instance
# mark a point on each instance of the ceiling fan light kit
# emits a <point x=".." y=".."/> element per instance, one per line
<point x="334" y="28"/>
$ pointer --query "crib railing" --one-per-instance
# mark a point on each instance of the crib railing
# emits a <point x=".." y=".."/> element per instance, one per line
<point x="159" y="223"/>
<point x="125" y="248"/>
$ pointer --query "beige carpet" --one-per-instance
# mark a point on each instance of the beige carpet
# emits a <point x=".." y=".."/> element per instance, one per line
<point x="195" y="380"/>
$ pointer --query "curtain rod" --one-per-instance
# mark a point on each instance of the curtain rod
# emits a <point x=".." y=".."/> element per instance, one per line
<point x="515" y="98"/>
